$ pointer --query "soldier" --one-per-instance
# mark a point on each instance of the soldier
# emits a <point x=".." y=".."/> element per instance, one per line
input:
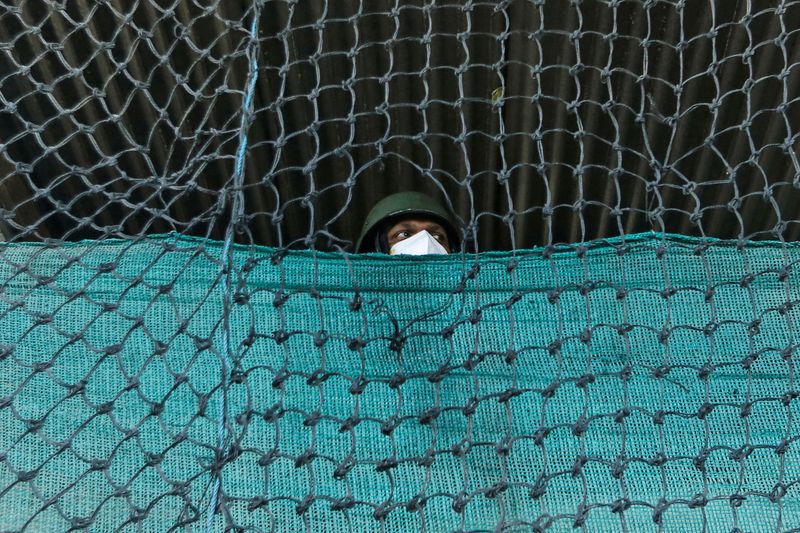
<point x="410" y="223"/>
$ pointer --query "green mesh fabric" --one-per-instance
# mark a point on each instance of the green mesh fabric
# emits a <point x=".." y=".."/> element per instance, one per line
<point x="638" y="384"/>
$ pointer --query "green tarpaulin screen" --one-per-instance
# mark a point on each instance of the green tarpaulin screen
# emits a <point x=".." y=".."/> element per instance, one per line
<point x="644" y="383"/>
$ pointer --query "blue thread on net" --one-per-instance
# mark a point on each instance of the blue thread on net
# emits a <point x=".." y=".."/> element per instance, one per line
<point x="236" y="207"/>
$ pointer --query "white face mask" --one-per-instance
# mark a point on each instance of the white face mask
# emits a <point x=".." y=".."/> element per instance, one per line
<point x="421" y="243"/>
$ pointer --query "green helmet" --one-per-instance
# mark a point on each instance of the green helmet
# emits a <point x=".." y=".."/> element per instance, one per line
<point x="402" y="205"/>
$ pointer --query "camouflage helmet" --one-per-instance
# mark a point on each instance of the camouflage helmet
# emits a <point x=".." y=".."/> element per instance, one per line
<point x="404" y="205"/>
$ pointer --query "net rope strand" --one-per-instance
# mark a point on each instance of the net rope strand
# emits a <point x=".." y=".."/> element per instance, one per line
<point x="237" y="209"/>
<point x="189" y="342"/>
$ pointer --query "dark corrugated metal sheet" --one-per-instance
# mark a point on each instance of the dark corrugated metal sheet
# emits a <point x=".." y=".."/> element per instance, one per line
<point x="564" y="120"/>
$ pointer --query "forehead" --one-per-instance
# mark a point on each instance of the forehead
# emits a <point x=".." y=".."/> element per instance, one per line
<point x="414" y="221"/>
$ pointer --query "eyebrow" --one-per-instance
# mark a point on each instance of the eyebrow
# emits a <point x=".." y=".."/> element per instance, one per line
<point x="405" y="224"/>
<point x="401" y="225"/>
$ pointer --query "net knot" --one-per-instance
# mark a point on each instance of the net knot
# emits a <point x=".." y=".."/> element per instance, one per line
<point x="470" y="407"/>
<point x="304" y="505"/>
<point x="446" y="333"/>
<point x="476" y="315"/>
<point x="460" y="449"/>
<point x="496" y="489"/>
<point x="389" y="425"/>
<point x="42" y="366"/>
<point x="624" y="327"/>
<point x="386" y="464"/>
<point x="554" y="347"/>
<point x="542" y="523"/>
<point x="550" y="390"/>
<point x="349" y="423"/>
<point x="620" y="505"/>
<point x="697" y="501"/>
<point x="257" y="503"/>
<point x="705" y="371"/>
<point x="473" y="361"/>
<point x="358" y="385"/>
<point x="280" y="336"/>
<point x="658" y="460"/>
<point x="426" y="459"/>
<point x="663" y="370"/>
<point x="430" y="415"/>
<point x="508" y="394"/>
<point x="782" y="447"/>
<point x="76" y="388"/>
<point x="382" y="511"/>
<point x="580" y="426"/>
<point x="619" y="466"/>
<point x="242" y="419"/>
<point x="510" y="357"/>
<point x="343" y="468"/>
<point x="439" y="374"/>
<point x="539" y="488"/>
<point x="397" y="380"/>
<point x="98" y="464"/>
<point x="540" y="435"/>
<point x="137" y="515"/>
<point x="746" y="409"/>
<point x="268" y="457"/>
<point x="153" y="459"/>
<point x="273" y="413"/>
<point x="312" y="419"/>
<point x="748" y="361"/>
<point x="460" y="502"/>
<point x="577" y="466"/>
<point x="156" y="409"/>
<point x="105" y="268"/>
<point x="131" y="384"/>
<point x="581" y="515"/>
<point x="304" y="458"/>
<point x="34" y="425"/>
<point x="416" y="503"/>
<point x="355" y="302"/>
<point x="705" y="410"/>
<point x="740" y="454"/>
<point x="621" y="415"/>
<point x="503" y="447"/>
<point x="81" y="522"/>
<point x="736" y="500"/>
<point x="320" y="338"/>
<point x="778" y="492"/>
<point x="659" y="510"/>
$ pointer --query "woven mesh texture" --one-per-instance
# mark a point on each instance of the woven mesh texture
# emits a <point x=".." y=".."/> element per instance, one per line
<point x="580" y="387"/>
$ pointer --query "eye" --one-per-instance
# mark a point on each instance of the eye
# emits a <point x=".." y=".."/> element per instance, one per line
<point x="438" y="236"/>
<point x="402" y="234"/>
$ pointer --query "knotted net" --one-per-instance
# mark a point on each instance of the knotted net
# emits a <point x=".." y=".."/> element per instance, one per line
<point x="188" y="342"/>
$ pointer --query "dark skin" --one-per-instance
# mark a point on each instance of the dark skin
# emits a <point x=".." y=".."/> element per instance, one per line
<point x="405" y="228"/>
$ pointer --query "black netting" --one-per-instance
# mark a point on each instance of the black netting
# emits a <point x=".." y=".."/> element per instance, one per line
<point x="189" y="341"/>
<point x="549" y="121"/>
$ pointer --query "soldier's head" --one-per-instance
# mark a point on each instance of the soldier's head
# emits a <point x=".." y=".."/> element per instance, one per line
<point x="408" y="223"/>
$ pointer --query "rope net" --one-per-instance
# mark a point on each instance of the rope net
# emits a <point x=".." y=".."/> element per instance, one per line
<point x="189" y="343"/>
